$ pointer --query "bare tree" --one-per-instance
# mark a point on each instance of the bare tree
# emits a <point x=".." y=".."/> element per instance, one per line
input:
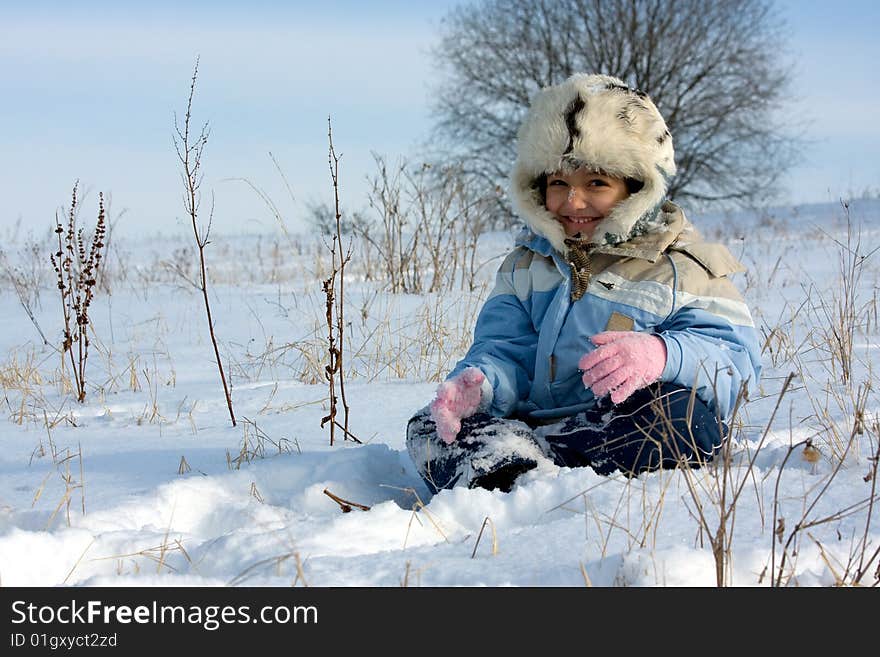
<point x="714" y="69"/>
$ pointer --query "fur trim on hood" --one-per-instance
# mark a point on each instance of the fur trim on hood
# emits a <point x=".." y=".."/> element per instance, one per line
<point x="594" y="121"/>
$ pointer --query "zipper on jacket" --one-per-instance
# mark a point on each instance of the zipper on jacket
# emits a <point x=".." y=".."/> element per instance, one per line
<point x="552" y="370"/>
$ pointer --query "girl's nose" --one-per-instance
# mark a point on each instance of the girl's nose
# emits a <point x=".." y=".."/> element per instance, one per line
<point x="576" y="197"/>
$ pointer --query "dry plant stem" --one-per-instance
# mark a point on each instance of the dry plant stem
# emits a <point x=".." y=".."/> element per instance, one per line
<point x="429" y="223"/>
<point x="190" y="155"/>
<point x="864" y="567"/>
<point x="728" y="510"/>
<point x="486" y="521"/>
<point x="802" y="524"/>
<point x="70" y="485"/>
<point x="273" y="208"/>
<point x="726" y="499"/>
<point x="348" y="434"/>
<point x="839" y="579"/>
<point x="92" y="542"/>
<point x="277" y="562"/>
<point x="82" y="479"/>
<point x="418" y="505"/>
<point x="76" y="271"/>
<point x="345" y="505"/>
<point x="837" y="320"/>
<point x="340" y="300"/>
<point x="21" y="291"/>
<point x="587" y="582"/>
<point x="333" y="353"/>
<point x="300" y="573"/>
<point x="164" y="547"/>
<point x="151" y="553"/>
<point x="335" y="308"/>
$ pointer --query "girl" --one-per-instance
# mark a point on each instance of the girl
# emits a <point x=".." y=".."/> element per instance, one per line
<point x="606" y="317"/>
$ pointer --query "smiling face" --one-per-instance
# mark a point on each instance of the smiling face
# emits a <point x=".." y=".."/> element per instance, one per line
<point x="581" y="199"/>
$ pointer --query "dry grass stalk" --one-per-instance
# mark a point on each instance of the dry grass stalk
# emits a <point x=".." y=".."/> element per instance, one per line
<point x="718" y="488"/>
<point x="486" y="520"/>
<point x="300" y="572"/>
<point x="833" y="323"/>
<point x="82" y="479"/>
<point x="75" y="565"/>
<point x="62" y="463"/>
<point x="158" y="554"/>
<point x="189" y="152"/>
<point x="26" y="284"/>
<point x="163" y="549"/>
<point x="418" y="506"/>
<point x="391" y="340"/>
<point x="836" y="320"/>
<point x="789" y="547"/>
<point x="254" y="445"/>
<point x="70" y="485"/>
<point x="151" y="412"/>
<point x="587" y="581"/>
<point x="277" y="562"/>
<point x="865" y="566"/>
<point x="133" y="383"/>
<point x="427" y="225"/>
<point x="827" y="558"/>
<point x="22" y="383"/>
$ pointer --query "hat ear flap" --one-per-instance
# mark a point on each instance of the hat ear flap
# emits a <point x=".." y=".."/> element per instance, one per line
<point x="638" y="213"/>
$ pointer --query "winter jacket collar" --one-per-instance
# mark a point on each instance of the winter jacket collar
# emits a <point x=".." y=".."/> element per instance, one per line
<point x="674" y="226"/>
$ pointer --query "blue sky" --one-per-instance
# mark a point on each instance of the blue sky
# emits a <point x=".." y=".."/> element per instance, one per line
<point x="89" y="90"/>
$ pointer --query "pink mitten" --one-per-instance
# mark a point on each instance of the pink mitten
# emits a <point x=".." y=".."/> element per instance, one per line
<point x="624" y="362"/>
<point x="456" y="398"/>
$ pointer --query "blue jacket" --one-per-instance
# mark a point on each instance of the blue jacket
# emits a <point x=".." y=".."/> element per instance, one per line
<point x="530" y="333"/>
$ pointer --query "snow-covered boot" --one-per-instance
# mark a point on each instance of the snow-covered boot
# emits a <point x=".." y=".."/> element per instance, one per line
<point x="657" y="427"/>
<point x="490" y="452"/>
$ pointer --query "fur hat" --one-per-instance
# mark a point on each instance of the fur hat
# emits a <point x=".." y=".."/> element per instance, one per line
<point x="594" y="121"/>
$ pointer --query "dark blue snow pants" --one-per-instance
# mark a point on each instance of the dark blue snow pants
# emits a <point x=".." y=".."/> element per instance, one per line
<point x="660" y="426"/>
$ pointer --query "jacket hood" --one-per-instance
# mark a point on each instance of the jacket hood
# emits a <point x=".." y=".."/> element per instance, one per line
<point x="597" y="122"/>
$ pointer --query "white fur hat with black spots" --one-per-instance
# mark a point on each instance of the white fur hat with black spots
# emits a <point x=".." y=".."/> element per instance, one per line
<point x="598" y="122"/>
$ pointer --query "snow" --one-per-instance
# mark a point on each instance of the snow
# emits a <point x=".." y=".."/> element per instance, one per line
<point x="249" y="506"/>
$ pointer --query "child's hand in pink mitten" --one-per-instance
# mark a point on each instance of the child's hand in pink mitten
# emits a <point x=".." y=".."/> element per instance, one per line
<point x="624" y="362"/>
<point x="456" y="398"/>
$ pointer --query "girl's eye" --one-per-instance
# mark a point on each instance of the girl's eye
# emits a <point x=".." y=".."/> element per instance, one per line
<point x="598" y="182"/>
<point x="556" y="182"/>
